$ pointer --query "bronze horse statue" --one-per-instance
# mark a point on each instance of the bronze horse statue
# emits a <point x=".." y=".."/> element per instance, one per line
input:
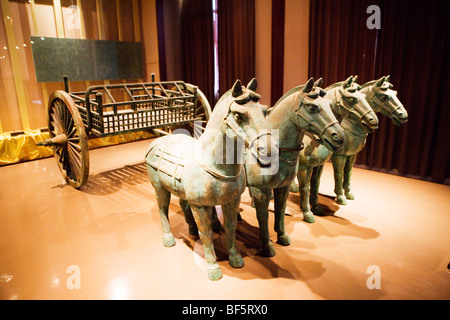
<point x="381" y="99"/>
<point x="200" y="174"/>
<point x="297" y="112"/>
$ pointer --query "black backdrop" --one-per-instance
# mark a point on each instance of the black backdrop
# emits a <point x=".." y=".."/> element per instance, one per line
<point x="413" y="47"/>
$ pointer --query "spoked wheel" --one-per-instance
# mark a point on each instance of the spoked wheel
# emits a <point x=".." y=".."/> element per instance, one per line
<point x="68" y="139"/>
<point x="203" y="112"/>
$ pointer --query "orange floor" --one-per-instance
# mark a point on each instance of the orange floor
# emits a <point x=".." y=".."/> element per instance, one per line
<point x="104" y="241"/>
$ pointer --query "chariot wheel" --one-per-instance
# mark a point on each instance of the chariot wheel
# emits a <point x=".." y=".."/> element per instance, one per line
<point x="68" y="139"/>
<point x="203" y="112"/>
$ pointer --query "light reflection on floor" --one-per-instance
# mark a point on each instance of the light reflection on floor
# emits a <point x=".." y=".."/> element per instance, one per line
<point x="110" y="231"/>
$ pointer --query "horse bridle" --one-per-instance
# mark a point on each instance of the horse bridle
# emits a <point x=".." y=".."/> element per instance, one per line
<point x="352" y="110"/>
<point x="311" y="123"/>
<point x="240" y="133"/>
<point x="238" y="130"/>
<point x="374" y="101"/>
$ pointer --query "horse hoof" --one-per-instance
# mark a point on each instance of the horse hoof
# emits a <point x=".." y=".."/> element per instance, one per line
<point x="284" y="239"/>
<point x="318" y="211"/>
<point x="214" y="272"/>
<point x="168" y="240"/>
<point x="341" y="200"/>
<point x="269" y="250"/>
<point x="236" y="261"/>
<point x="308" y="217"/>
<point x="350" y="196"/>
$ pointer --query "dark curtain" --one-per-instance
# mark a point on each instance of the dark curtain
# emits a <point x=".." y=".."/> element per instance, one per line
<point x="340" y="43"/>
<point x="277" y="82"/>
<point x="161" y="40"/>
<point x="197" y="38"/>
<point x="186" y="43"/>
<point x="412" y="46"/>
<point x="236" y="37"/>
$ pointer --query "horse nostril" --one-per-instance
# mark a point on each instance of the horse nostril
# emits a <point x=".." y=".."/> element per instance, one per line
<point x="372" y="120"/>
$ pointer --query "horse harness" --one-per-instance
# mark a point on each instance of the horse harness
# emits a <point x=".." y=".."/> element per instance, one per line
<point x="340" y="105"/>
<point x="172" y="164"/>
<point x="169" y="163"/>
<point x="377" y="104"/>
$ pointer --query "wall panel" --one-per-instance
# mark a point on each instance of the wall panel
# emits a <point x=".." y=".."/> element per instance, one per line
<point x="22" y="98"/>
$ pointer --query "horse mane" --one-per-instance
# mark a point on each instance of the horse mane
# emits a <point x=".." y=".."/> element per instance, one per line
<point x="334" y="85"/>
<point x="224" y="96"/>
<point x="373" y="82"/>
<point x="292" y="91"/>
<point x="368" y="83"/>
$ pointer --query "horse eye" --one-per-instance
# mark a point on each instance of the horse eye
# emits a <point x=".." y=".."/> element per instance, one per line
<point x="352" y="100"/>
<point x="382" y="97"/>
<point x="312" y="108"/>
<point x="238" y="117"/>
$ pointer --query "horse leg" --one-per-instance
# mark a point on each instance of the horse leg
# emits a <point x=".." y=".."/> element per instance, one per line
<point x="216" y="225"/>
<point x="261" y="199"/>
<point x="338" y="168"/>
<point x="203" y="218"/>
<point x="294" y="188"/>
<point x="348" y="175"/>
<point x="189" y="218"/>
<point x="163" y="199"/>
<point x="304" y="178"/>
<point x="230" y="212"/>
<point x="280" y="196"/>
<point x="316" y="208"/>
<point x="193" y="230"/>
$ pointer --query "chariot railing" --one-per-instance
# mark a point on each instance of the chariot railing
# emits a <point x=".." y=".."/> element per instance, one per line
<point x="104" y="110"/>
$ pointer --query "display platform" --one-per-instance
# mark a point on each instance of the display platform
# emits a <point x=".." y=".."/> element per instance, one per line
<point x="104" y="241"/>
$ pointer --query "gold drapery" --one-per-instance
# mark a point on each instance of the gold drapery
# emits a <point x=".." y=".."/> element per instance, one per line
<point x="22" y="147"/>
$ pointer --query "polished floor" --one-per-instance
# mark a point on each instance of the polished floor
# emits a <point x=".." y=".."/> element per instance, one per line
<point x="104" y="241"/>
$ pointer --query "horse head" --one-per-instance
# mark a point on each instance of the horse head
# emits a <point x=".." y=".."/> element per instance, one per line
<point x="352" y="102"/>
<point x="246" y="119"/>
<point x="313" y="113"/>
<point x="384" y="100"/>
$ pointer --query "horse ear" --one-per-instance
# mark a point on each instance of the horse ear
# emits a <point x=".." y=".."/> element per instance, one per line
<point x="355" y="78"/>
<point x="387" y="78"/>
<point x="252" y="85"/>
<point x="237" y="89"/>
<point x="319" y="82"/>
<point x="322" y="93"/>
<point x="308" y="86"/>
<point x="347" y="82"/>
<point x="380" y="82"/>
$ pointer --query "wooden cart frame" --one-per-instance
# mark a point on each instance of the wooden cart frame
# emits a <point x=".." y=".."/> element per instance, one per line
<point x="105" y="110"/>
